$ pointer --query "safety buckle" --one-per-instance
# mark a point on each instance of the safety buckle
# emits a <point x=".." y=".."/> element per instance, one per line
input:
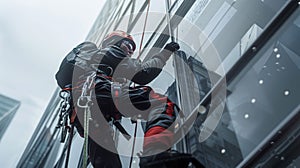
<point x="116" y="89"/>
<point x="84" y="101"/>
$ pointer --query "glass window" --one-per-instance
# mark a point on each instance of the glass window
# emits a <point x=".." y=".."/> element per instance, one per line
<point x="158" y="6"/>
<point x="103" y="21"/>
<point x="123" y="16"/>
<point x="146" y="26"/>
<point x="268" y="89"/>
<point x="222" y="25"/>
<point x="138" y="4"/>
<point x="260" y="98"/>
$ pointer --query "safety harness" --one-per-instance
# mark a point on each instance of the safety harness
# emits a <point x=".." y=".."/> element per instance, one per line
<point x="67" y="112"/>
<point x="85" y="102"/>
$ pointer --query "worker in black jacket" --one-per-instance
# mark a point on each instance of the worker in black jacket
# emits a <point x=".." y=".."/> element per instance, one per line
<point x="116" y="97"/>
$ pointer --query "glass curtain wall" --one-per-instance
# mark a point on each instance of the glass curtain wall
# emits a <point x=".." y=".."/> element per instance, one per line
<point x="228" y="112"/>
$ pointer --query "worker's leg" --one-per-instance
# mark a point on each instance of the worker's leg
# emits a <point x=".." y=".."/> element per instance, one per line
<point x="101" y="157"/>
<point x="159" y="113"/>
<point x="159" y="137"/>
<point x="102" y="150"/>
<point x="159" y="129"/>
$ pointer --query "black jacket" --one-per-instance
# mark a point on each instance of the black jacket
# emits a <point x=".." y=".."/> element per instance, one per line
<point x="132" y="69"/>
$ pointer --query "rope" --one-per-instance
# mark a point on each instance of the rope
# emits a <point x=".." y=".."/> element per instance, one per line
<point x="138" y="57"/>
<point x="87" y="114"/>
<point x="144" y="28"/>
<point x="133" y="144"/>
<point x="169" y="20"/>
<point x="70" y="138"/>
<point x="85" y="101"/>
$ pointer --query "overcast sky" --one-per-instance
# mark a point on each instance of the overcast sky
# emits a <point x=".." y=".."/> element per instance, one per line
<point x="35" y="35"/>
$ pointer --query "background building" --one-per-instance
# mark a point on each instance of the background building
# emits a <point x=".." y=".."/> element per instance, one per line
<point x="237" y="82"/>
<point x="8" y="108"/>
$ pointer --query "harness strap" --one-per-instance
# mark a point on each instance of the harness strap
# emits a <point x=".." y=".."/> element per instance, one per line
<point x="122" y="129"/>
<point x="116" y="92"/>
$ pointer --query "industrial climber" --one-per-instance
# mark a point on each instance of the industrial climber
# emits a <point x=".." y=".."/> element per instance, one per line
<point x="114" y="97"/>
<point x="116" y="65"/>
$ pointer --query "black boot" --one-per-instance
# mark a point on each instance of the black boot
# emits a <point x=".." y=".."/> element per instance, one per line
<point x="169" y="159"/>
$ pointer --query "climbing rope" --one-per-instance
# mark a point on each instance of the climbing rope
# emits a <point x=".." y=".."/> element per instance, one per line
<point x="133" y="143"/>
<point x="138" y="57"/>
<point x="85" y="101"/>
<point x="169" y="20"/>
<point x="144" y="29"/>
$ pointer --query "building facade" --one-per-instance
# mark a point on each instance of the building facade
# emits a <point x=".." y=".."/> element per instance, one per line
<point x="236" y="81"/>
<point x="8" y="109"/>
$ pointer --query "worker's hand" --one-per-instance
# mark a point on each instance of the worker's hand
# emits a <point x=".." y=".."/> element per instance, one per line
<point x="165" y="54"/>
<point x="172" y="46"/>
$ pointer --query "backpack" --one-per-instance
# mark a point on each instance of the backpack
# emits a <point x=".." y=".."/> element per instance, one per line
<point x="80" y="59"/>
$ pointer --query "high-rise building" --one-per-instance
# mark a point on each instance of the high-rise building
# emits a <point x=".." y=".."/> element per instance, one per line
<point x="8" y="108"/>
<point x="237" y="81"/>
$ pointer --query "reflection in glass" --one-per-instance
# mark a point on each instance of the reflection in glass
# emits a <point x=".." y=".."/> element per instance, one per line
<point x="260" y="98"/>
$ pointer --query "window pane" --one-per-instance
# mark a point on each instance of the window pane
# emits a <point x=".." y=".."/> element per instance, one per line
<point x="260" y="98"/>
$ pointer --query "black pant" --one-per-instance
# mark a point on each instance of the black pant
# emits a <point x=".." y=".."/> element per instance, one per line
<point x="101" y="157"/>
